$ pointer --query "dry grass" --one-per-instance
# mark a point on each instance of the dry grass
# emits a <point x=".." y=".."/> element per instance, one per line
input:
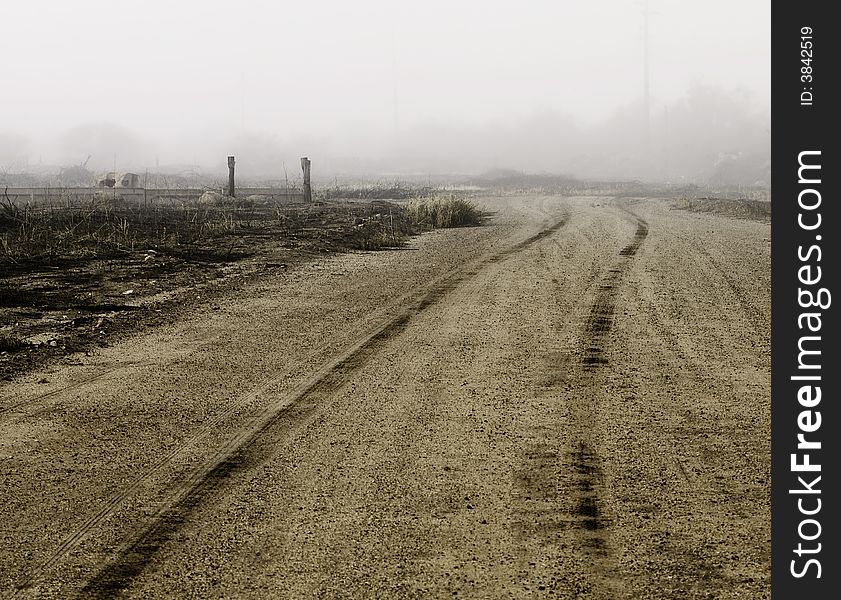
<point x="374" y="191"/>
<point x="756" y="210"/>
<point x="105" y="227"/>
<point x="444" y="211"/>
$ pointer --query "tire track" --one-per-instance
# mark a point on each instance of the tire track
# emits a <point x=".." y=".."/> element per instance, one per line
<point x="560" y="482"/>
<point x="589" y="518"/>
<point x="639" y="237"/>
<point x="695" y="438"/>
<point x="239" y="452"/>
<point x="545" y="231"/>
<point x="7" y="412"/>
<point x="589" y="475"/>
<point x="600" y="320"/>
<point x="117" y="500"/>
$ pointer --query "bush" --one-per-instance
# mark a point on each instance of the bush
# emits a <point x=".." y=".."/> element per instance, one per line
<point x="441" y="212"/>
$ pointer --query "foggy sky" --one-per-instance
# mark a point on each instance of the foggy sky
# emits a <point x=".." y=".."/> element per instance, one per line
<point x="187" y="82"/>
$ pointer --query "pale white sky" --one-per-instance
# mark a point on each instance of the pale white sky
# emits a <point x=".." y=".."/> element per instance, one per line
<point x="293" y="68"/>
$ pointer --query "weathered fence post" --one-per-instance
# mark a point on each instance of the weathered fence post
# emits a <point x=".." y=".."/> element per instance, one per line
<point x="231" y="190"/>
<point x="305" y="165"/>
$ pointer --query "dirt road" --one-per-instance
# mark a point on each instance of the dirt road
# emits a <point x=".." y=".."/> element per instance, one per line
<point x="572" y="402"/>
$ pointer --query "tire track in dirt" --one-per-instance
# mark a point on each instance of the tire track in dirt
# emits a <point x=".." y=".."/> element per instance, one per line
<point x="693" y="441"/>
<point x="113" y="503"/>
<point x="560" y="481"/>
<point x="238" y="453"/>
<point x="7" y="413"/>
<point x="583" y="460"/>
<point x="118" y="499"/>
<point x="600" y="320"/>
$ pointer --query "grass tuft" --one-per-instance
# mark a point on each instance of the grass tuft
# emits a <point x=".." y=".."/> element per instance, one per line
<point x="442" y="212"/>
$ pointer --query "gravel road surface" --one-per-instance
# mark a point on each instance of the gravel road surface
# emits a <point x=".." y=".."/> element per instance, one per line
<point x="571" y="402"/>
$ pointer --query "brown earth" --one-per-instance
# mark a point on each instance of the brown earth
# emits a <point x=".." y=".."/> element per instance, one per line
<point x="572" y="402"/>
<point x="91" y="291"/>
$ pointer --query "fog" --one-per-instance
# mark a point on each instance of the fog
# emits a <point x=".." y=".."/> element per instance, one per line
<point x="376" y="88"/>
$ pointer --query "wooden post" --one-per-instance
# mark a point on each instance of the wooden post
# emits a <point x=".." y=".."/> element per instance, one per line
<point x="305" y="165"/>
<point x="231" y="189"/>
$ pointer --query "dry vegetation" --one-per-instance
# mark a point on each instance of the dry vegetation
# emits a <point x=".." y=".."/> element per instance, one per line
<point x="743" y="208"/>
<point x="101" y="227"/>
<point x="77" y="271"/>
<point x="375" y="191"/>
<point x="440" y="212"/>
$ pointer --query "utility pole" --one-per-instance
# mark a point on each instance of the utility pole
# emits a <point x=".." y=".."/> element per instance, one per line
<point x="305" y="167"/>
<point x="394" y="98"/>
<point x="666" y="169"/>
<point x="646" y="86"/>
<point x="231" y="190"/>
